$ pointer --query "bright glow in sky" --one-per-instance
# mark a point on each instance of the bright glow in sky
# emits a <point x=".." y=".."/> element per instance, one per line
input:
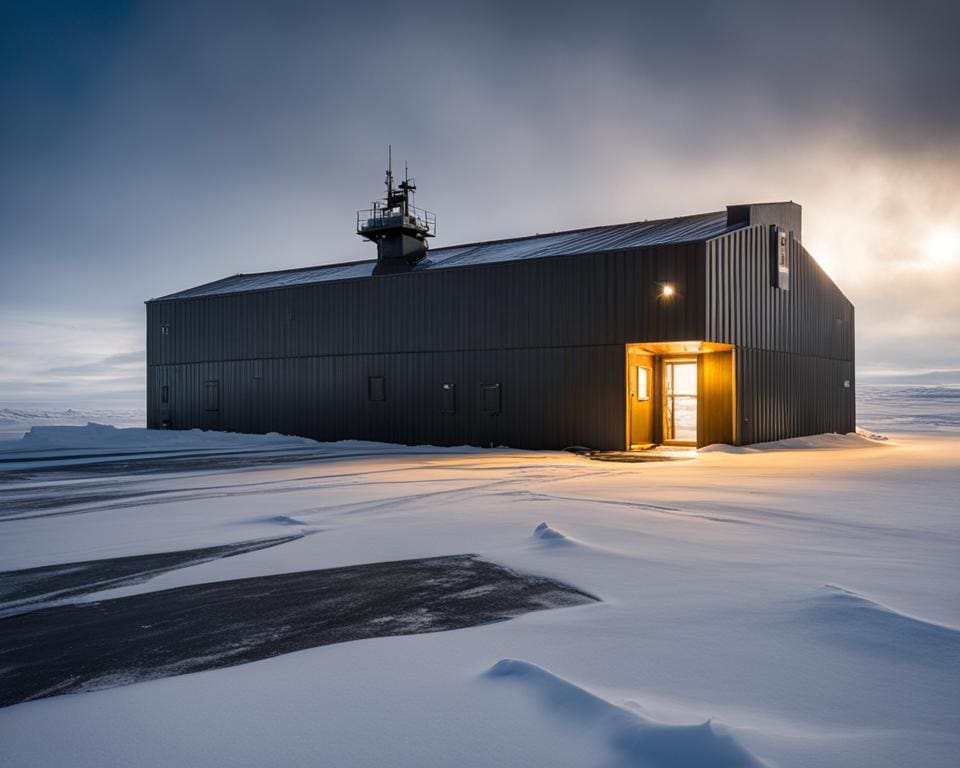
<point x="942" y="249"/>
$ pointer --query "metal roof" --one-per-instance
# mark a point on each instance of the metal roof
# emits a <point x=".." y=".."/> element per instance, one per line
<point x="580" y="241"/>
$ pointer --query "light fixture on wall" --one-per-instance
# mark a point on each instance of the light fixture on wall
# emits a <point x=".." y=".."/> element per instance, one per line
<point x="667" y="291"/>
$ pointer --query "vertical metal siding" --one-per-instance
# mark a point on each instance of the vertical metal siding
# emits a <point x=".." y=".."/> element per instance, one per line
<point x="551" y="331"/>
<point x="795" y="348"/>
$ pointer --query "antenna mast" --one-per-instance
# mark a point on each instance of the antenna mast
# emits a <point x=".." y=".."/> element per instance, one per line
<point x="399" y="229"/>
<point x="389" y="173"/>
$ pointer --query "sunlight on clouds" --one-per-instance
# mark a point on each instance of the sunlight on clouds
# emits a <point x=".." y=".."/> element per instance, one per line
<point x="51" y="359"/>
<point x="942" y="249"/>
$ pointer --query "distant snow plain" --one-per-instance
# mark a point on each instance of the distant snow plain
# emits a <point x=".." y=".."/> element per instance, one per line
<point x="788" y="605"/>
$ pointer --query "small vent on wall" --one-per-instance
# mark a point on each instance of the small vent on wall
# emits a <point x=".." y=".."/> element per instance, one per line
<point x="211" y="395"/>
<point x="448" y="398"/>
<point x="490" y="398"/>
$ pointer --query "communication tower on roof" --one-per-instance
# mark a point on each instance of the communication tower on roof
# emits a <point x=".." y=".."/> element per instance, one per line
<point x="396" y="225"/>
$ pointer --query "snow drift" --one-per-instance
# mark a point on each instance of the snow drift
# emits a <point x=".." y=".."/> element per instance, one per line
<point x="97" y="436"/>
<point x="832" y="440"/>
<point x="544" y="533"/>
<point x="841" y="615"/>
<point x="638" y="740"/>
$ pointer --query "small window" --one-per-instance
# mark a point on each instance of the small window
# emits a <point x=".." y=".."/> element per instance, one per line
<point x="165" y="394"/>
<point x="164" y="329"/>
<point x="448" y="398"/>
<point x="643" y="383"/>
<point x="376" y="389"/>
<point x="211" y="395"/>
<point x="258" y="369"/>
<point x="490" y="398"/>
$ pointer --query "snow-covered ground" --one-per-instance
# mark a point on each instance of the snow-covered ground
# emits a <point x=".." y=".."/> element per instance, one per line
<point x="17" y="420"/>
<point x="800" y="597"/>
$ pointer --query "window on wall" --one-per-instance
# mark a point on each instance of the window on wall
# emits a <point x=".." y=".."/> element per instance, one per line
<point x="165" y="394"/>
<point x="164" y="328"/>
<point x="643" y="383"/>
<point x="376" y="389"/>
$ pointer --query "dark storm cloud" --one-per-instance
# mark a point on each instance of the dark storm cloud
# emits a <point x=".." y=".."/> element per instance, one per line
<point x="895" y="64"/>
<point x="214" y="83"/>
<point x="149" y="146"/>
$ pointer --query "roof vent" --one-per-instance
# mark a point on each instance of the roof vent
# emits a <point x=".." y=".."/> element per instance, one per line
<point x="399" y="228"/>
<point x="787" y="216"/>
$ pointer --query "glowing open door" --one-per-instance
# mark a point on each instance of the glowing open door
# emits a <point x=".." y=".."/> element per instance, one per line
<point x="680" y="401"/>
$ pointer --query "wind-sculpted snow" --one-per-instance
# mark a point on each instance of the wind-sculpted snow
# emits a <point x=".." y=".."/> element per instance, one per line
<point x="636" y="740"/>
<point x="552" y="536"/>
<point x="31" y="588"/>
<point x="843" y="616"/>
<point x="708" y="570"/>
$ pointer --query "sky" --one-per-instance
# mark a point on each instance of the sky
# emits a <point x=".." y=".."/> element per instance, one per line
<point x="149" y="146"/>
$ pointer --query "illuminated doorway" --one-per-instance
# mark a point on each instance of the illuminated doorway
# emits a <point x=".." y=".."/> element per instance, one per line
<point x="680" y="401"/>
<point x="640" y="400"/>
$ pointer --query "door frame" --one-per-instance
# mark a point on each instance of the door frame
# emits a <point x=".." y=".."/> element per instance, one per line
<point x="650" y="366"/>
<point x="664" y="424"/>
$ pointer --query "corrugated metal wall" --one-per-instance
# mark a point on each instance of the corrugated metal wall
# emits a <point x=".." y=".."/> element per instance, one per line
<point x="795" y="348"/>
<point x="561" y="301"/>
<point x="550" y="397"/>
<point x="551" y="331"/>
<point x="780" y="395"/>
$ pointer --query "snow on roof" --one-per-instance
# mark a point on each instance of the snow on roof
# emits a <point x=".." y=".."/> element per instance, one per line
<point x="579" y="241"/>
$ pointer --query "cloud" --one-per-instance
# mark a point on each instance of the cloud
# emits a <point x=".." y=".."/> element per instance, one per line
<point x="107" y="367"/>
<point x="151" y="146"/>
<point x="101" y="362"/>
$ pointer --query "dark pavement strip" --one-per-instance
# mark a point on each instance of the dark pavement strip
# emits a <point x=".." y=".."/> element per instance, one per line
<point x="88" y="646"/>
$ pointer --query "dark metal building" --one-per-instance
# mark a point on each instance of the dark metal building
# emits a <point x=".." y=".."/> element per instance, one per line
<point x="717" y="327"/>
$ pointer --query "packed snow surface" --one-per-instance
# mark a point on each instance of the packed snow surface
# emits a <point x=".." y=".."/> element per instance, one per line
<point x="94" y="436"/>
<point x="786" y="605"/>
<point x="15" y="421"/>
